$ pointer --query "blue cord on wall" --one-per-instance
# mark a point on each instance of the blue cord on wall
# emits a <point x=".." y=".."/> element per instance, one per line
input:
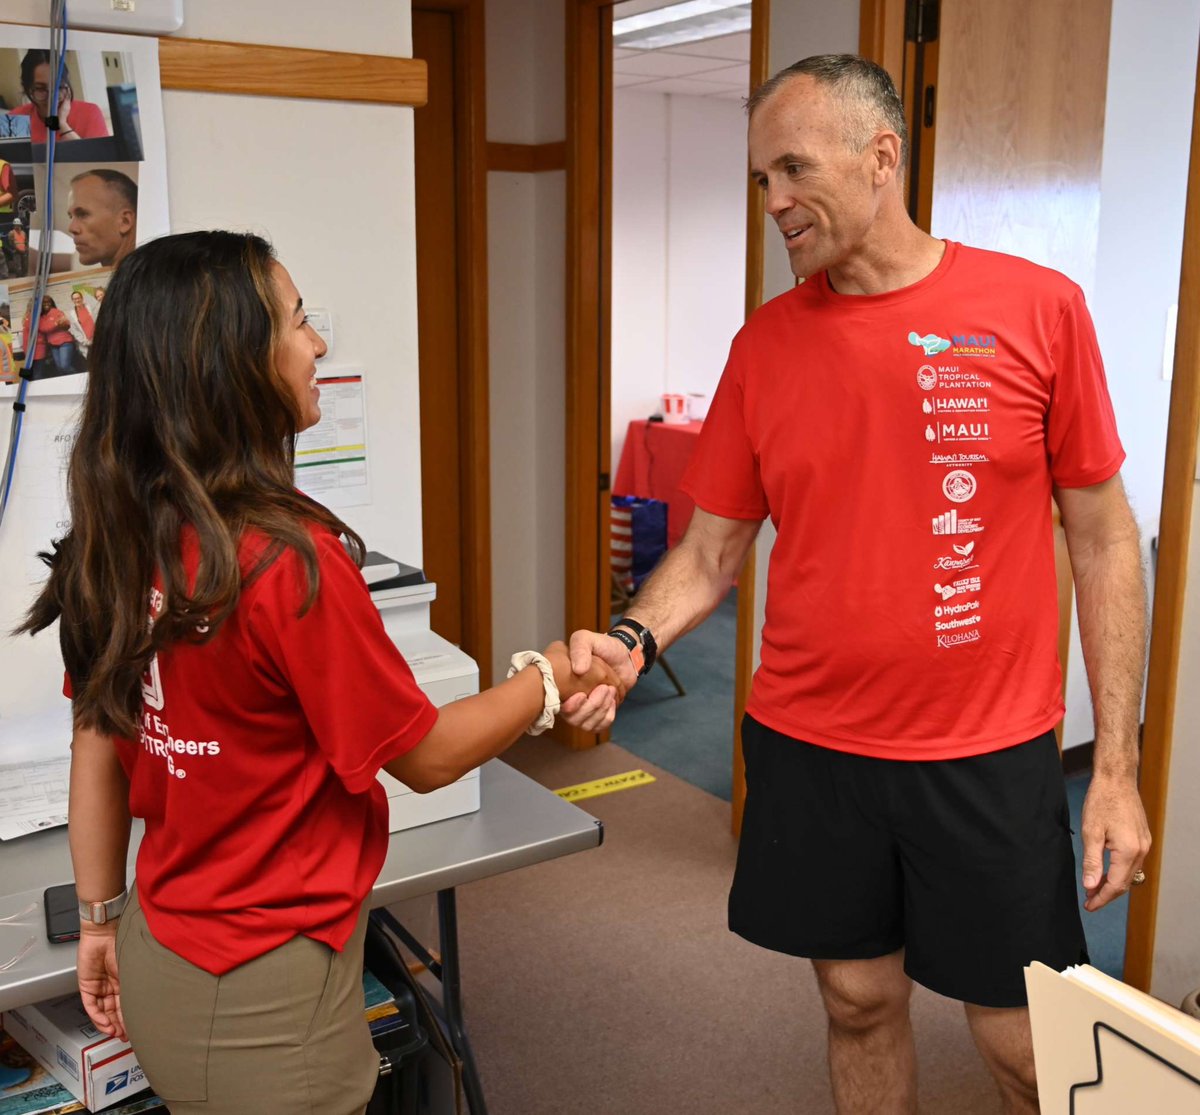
<point x="58" y="55"/>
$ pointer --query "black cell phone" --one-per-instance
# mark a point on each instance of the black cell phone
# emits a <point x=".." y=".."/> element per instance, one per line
<point x="62" y="913"/>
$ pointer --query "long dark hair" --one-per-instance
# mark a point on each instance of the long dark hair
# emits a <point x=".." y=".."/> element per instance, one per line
<point x="186" y="422"/>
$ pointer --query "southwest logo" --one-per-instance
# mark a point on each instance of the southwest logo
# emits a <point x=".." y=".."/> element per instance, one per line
<point x="931" y="344"/>
<point x="975" y="344"/>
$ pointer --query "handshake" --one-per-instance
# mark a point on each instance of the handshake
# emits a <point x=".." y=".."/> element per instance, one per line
<point x="593" y="675"/>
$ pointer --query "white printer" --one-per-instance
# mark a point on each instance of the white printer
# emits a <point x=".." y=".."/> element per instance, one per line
<point x="444" y="674"/>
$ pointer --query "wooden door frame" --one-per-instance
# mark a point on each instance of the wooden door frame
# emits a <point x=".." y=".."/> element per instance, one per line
<point x="471" y="219"/>
<point x="1170" y="585"/>
<point x="880" y="23"/>
<point x="589" y="321"/>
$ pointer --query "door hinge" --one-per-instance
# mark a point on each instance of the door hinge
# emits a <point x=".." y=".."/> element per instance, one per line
<point x="921" y="21"/>
<point x="604" y="482"/>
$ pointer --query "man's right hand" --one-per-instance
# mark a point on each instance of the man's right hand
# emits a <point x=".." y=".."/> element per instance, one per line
<point x="580" y="711"/>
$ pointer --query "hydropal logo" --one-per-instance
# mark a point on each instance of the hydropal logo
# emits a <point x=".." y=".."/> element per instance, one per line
<point x="929" y="343"/>
<point x="975" y="344"/>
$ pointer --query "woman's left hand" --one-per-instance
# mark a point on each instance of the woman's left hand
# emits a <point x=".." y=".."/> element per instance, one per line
<point x="99" y="987"/>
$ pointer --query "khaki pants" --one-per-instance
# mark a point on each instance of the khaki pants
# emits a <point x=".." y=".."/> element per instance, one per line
<point x="284" y="1033"/>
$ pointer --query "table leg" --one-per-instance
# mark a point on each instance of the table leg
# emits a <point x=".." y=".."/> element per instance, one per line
<point x="452" y="999"/>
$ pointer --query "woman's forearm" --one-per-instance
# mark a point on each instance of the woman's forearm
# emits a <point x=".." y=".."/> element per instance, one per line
<point x="98" y="816"/>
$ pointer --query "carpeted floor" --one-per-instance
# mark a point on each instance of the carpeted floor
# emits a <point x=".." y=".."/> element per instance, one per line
<point x="607" y="983"/>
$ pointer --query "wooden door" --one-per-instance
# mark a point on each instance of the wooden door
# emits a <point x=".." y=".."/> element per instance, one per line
<point x="452" y="323"/>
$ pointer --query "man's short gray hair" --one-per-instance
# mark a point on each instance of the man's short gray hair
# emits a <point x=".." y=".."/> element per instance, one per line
<point x="864" y="89"/>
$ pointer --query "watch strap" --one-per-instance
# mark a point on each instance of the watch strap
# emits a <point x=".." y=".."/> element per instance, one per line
<point x="633" y="644"/>
<point x="99" y="913"/>
<point x="645" y="639"/>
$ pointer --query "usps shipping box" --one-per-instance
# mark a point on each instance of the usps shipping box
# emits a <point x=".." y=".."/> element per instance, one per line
<point x="97" y="1070"/>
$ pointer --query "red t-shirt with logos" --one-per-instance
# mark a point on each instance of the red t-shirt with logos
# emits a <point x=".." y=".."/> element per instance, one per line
<point x="905" y="446"/>
<point x="255" y="768"/>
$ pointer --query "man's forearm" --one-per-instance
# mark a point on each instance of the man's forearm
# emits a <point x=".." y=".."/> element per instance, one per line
<point x="1112" y="628"/>
<point x="693" y="578"/>
<point x="98" y="824"/>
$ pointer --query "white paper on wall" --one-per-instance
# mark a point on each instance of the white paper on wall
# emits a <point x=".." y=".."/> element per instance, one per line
<point x="331" y="457"/>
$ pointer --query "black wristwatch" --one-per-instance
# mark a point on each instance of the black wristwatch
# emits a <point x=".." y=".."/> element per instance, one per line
<point x="644" y="640"/>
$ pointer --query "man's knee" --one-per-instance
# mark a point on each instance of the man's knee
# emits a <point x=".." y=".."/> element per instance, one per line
<point x="861" y="995"/>
<point x="1004" y="1039"/>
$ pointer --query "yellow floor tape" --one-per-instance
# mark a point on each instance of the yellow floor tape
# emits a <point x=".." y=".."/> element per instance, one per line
<point x="607" y="785"/>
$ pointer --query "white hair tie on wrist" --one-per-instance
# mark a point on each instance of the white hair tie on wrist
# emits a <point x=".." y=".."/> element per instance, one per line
<point x="545" y="719"/>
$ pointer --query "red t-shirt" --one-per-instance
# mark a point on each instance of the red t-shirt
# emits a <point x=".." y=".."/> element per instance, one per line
<point x="255" y="770"/>
<point x="85" y="119"/>
<point x="905" y="446"/>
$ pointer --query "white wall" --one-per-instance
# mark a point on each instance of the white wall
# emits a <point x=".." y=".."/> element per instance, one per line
<point x="678" y="247"/>
<point x="1143" y="187"/>
<point x="527" y="339"/>
<point x="261" y="145"/>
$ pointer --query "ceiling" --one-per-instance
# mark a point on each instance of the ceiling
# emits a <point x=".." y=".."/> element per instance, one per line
<point x="709" y="68"/>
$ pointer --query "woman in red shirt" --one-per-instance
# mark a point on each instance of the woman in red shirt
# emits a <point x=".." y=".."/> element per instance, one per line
<point x="232" y="684"/>
<point x="78" y="119"/>
<point x="54" y="328"/>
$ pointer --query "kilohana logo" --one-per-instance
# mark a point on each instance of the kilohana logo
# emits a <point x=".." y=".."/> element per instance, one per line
<point x="959" y="485"/>
<point x="931" y="344"/>
<point x="974" y="344"/>
<point x="958" y="638"/>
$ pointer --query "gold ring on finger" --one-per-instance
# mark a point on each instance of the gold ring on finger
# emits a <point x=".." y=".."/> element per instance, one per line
<point x="1139" y="877"/>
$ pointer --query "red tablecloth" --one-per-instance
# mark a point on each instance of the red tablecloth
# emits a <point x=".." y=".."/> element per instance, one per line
<point x="652" y="464"/>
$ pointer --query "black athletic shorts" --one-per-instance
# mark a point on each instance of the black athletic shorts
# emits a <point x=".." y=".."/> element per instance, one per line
<point x="965" y="864"/>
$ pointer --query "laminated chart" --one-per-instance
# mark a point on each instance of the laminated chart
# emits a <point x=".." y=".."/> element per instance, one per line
<point x="331" y="457"/>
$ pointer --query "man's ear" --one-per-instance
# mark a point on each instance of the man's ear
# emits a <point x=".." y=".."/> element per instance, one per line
<point x="885" y="151"/>
<point x="127" y="221"/>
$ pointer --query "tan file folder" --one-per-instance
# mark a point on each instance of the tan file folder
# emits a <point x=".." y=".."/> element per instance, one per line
<point x="1104" y="1048"/>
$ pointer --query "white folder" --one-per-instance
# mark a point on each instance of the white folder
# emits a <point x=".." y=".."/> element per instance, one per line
<point x="1104" y="1048"/>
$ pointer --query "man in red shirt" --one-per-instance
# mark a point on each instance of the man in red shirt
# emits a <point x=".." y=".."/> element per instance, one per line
<point x="904" y="416"/>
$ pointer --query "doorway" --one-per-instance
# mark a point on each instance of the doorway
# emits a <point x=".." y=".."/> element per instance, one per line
<point x="589" y="461"/>
<point x="678" y="251"/>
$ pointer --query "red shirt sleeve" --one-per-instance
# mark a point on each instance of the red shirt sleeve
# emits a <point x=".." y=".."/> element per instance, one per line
<point x="722" y="476"/>
<point x="1081" y="429"/>
<point x="354" y="687"/>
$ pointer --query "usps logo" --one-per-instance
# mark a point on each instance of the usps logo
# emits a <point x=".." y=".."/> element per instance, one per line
<point x="121" y="1080"/>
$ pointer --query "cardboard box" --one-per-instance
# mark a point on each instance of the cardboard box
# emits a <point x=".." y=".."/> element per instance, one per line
<point x="98" y="1071"/>
<point x="444" y="674"/>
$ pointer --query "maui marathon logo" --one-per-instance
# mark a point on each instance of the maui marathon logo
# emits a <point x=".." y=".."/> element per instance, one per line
<point x="930" y="343"/>
<point x="974" y="345"/>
